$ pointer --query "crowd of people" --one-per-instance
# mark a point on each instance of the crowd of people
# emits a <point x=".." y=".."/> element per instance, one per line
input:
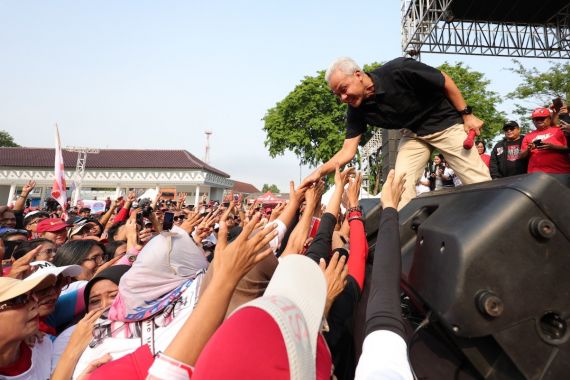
<point x="162" y="290"/>
<point x="155" y="289"/>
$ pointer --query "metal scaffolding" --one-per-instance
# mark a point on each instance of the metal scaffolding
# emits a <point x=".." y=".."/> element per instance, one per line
<point x="430" y="26"/>
<point x="79" y="169"/>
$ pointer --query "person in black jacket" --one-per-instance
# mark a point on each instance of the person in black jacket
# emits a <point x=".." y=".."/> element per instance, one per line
<point x="505" y="157"/>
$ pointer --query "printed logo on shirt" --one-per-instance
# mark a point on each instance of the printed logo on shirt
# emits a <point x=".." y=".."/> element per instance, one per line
<point x="499" y="151"/>
<point x="513" y="152"/>
<point x="543" y="137"/>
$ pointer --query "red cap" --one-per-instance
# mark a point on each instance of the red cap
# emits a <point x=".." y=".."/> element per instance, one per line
<point x="540" y="112"/>
<point x="51" y="225"/>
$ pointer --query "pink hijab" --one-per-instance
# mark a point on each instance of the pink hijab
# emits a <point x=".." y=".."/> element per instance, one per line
<point x="163" y="269"/>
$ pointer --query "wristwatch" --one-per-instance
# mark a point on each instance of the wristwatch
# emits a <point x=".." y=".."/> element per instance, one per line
<point x="466" y="111"/>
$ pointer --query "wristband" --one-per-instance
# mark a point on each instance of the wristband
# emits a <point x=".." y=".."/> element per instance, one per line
<point x="350" y="219"/>
<point x="352" y="209"/>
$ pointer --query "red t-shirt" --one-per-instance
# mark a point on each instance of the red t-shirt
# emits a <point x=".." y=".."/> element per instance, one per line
<point x="486" y="159"/>
<point x="547" y="161"/>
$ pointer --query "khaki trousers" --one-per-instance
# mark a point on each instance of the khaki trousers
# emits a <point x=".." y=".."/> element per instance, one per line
<point x="415" y="151"/>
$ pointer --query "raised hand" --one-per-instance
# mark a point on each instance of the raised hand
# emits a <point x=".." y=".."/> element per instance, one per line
<point x="28" y="187"/>
<point x="21" y="268"/>
<point x="232" y="261"/>
<point x="296" y="196"/>
<point x="335" y="275"/>
<point x="192" y="219"/>
<point x="314" y="194"/>
<point x="354" y="184"/>
<point x="277" y="211"/>
<point x="131" y="197"/>
<point x="83" y="333"/>
<point x="393" y="189"/>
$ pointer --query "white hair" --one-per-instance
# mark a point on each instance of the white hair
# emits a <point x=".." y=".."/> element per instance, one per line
<point x="345" y="65"/>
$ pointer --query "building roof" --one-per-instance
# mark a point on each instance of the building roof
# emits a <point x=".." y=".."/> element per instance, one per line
<point x="243" y="187"/>
<point x="107" y="159"/>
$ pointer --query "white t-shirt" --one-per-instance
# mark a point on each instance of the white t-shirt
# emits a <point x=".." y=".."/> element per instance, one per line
<point x="421" y="188"/>
<point x="167" y="324"/>
<point x="59" y="345"/>
<point x="73" y="286"/>
<point x="41" y="363"/>
<point x="384" y="356"/>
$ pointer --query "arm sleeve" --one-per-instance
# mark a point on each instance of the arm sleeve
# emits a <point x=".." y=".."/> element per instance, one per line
<point x="121" y="215"/>
<point x="129" y="258"/>
<point x="321" y="245"/>
<point x="355" y="123"/>
<point x="525" y="142"/>
<point x="494" y="164"/>
<point x="19" y="215"/>
<point x="383" y="310"/>
<point x="358" y="251"/>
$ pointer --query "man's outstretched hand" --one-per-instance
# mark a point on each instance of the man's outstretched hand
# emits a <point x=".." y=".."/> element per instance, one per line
<point x="314" y="177"/>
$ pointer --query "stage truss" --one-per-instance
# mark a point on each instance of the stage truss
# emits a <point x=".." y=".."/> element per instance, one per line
<point x="429" y="26"/>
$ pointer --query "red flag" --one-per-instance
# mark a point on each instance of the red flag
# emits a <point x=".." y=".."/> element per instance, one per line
<point x="59" y="190"/>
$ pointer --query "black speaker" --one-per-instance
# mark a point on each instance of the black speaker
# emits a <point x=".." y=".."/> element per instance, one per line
<point x="491" y="261"/>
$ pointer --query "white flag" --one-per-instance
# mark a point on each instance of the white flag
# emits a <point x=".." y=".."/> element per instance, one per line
<point x="59" y="189"/>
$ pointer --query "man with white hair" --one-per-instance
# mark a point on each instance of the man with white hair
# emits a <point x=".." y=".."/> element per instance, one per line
<point x="420" y="100"/>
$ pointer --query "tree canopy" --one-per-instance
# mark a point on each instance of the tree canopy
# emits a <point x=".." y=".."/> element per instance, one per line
<point x="539" y="88"/>
<point x="273" y="188"/>
<point x="309" y="122"/>
<point x="7" y="140"/>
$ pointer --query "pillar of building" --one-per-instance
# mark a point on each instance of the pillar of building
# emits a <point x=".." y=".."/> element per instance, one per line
<point x="197" y="198"/>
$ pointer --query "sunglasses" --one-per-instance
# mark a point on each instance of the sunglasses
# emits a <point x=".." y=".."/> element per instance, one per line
<point x="509" y="129"/>
<point x="17" y="302"/>
<point x="539" y="118"/>
<point x="96" y="259"/>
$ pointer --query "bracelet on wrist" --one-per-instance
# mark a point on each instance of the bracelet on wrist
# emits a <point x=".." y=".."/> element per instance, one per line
<point x="356" y="208"/>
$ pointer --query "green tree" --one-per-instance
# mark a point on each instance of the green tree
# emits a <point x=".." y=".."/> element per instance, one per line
<point x="273" y="188"/>
<point x="473" y="86"/>
<point x="7" y="140"/>
<point x="309" y="122"/>
<point x="538" y="89"/>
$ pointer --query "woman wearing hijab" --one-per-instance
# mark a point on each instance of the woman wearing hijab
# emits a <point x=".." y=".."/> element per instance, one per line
<point x="155" y="297"/>
<point x="99" y="294"/>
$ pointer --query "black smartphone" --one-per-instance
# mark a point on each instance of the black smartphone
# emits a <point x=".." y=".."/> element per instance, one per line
<point x="9" y="247"/>
<point x="140" y="220"/>
<point x="537" y="142"/>
<point x="168" y="221"/>
<point x="557" y="104"/>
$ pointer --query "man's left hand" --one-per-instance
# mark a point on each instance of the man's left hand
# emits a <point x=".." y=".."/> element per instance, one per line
<point x="472" y="122"/>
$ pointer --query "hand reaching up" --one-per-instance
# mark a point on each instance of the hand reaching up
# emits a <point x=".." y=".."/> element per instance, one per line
<point x="232" y="261"/>
<point x="393" y="189"/>
<point x="335" y="274"/>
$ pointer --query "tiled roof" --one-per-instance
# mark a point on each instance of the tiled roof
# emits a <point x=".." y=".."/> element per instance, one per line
<point x="107" y="159"/>
<point x="243" y="187"/>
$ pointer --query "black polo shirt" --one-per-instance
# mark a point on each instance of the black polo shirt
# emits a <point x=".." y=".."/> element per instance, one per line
<point x="407" y="94"/>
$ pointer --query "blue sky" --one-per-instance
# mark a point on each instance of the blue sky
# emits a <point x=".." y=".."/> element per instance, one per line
<point x="156" y="74"/>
